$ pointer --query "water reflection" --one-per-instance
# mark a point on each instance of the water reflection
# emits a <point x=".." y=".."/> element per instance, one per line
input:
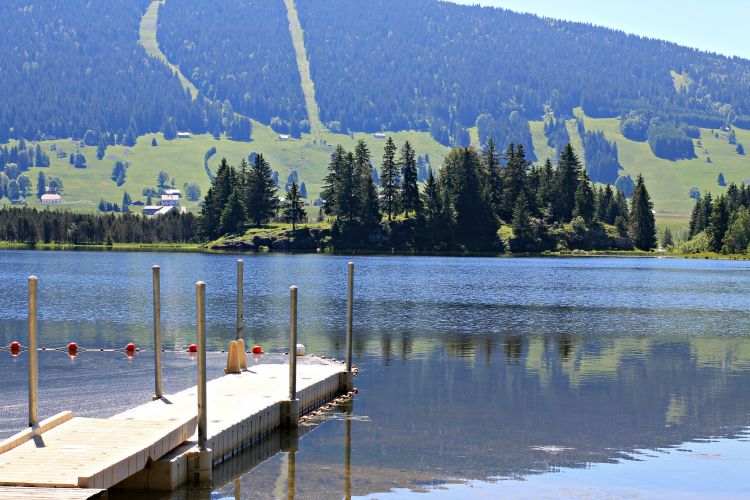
<point x="471" y="369"/>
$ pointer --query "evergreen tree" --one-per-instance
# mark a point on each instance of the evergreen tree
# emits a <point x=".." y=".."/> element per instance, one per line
<point x="667" y="240"/>
<point x="215" y="200"/>
<point x="642" y="221"/>
<point x="294" y="207"/>
<point x="126" y="200"/>
<point x="431" y="198"/>
<point x="410" y="201"/>
<point x="101" y="150"/>
<point x="154" y="143"/>
<point x="262" y="201"/>
<point x="568" y="172"/>
<point x="718" y="223"/>
<point x="233" y="215"/>
<point x="41" y="185"/>
<point x="389" y="180"/>
<point x="547" y="193"/>
<point x="491" y="161"/>
<point x="513" y="180"/>
<point x="347" y="196"/>
<point x="366" y="192"/>
<point x="332" y="182"/>
<point x="604" y="200"/>
<point x="584" y="200"/>
<point x="523" y="234"/>
<point x="466" y="200"/>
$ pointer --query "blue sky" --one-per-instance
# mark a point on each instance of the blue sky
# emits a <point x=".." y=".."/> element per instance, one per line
<point x="719" y="26"/>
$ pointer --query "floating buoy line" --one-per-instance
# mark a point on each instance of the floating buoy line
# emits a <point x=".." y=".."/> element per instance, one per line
<point x="15" y="349"/>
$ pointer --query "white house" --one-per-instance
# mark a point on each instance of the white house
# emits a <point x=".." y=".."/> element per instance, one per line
<point x="154" y="210"/>
<point x="379" y="135"/>
<point x="170" y="200"/>
<point x="184" y="135"/>
<point x="175" y="192"/>
<point x="51" y="199"/>
<point x="283" y="137"/>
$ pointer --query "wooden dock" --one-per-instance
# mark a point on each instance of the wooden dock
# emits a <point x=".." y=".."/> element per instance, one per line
<point x="11" y="493"/>
<point x="155" y="445"/>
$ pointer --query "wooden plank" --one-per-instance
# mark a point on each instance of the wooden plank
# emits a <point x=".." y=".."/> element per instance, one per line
<point x="13" y="493"/>
<point x="90" y="453"/>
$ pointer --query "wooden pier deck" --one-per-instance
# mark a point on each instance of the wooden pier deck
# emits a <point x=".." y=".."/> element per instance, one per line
<point x="154" y="446"/>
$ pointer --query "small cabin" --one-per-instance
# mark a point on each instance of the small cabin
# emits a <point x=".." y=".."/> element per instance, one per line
<point x="51" y="199"/>
<point x="284" y="137"/>
<point x="184" y="135"/>
<point x="170" y="200"/>
<point x="155" y="210"/>
<point x="379" y="135"/>
<point x="173" y="192"/>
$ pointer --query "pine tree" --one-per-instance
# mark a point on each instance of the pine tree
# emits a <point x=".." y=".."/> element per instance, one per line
<point x="568" y="173"/>
<point x="41" y="185"/>
<point x="585" y="204"/>
<point x="215" y="200"/>
<point x="718" y="223"/>
<point x="523" y="234"/>
<point x="667" y="240"/>
<point x="642" y="221"/>
<point x="491" y="161"/>
<point x="604" y="200"/>
<point x="233" y="216"/>
<point x="294" y="207"/>
<point x="126" y="200"/>
<point x="431" y="198"/>
<point x="410" y="201"/>
<point x="332" y="182"/>
<point x="513" y="180"/>
<point x="262" y="201"/>
<point x="465" y="199"/>
<point x="347" y="195"/>
<point x="367" y="194"/>
<point x="389" y="180"/>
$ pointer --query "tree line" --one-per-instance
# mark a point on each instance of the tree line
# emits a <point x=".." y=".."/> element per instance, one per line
<point x="720" y="224"/>
<point x="32" y="226"/>
<point x="467" y="205"/>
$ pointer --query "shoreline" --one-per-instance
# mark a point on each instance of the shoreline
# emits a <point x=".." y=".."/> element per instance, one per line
<point x="206" y="249"/>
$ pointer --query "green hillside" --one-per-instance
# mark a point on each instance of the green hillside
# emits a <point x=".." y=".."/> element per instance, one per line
<point x="183" y="160"/>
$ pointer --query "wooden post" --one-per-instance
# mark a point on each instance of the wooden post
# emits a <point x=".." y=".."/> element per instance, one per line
<point x="290" y="408"/>
<point x="202" y="419"/>
<point x="240" y="298"/>
<point x="33" y="366"/>
<point x="158" y="387"/>
<point x="349" y="317"/>
<point x="293" y="344"/>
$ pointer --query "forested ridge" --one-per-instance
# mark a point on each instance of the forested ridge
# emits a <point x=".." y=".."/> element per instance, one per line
<point x="239" y="51"/>
<point x="438" y="66"/>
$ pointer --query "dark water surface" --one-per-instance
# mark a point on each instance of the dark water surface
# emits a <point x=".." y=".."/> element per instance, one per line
<point x="479" y="377"/>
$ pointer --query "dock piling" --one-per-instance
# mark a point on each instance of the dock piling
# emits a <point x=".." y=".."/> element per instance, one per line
<point x="202" y="419"/>
<point x="290" y="409"/>
<point x="158" y="386"/>
<point x="33" y="362"/>
<point x="240" y="297"/>
<point x="349" y="317"/>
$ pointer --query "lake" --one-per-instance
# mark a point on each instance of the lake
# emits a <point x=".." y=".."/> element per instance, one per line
<point x="480" y="377"/>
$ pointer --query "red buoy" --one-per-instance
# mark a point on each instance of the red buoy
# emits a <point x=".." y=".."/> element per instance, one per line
<point x="192" y="348"/>
<point x="72" y="348"/>
<point x="15" y="346"/>
<point x="257" y="349"/>
<point x="130" y="347"/>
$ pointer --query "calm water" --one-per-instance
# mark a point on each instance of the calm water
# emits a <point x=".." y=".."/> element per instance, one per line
<point x="480" y="377"/>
